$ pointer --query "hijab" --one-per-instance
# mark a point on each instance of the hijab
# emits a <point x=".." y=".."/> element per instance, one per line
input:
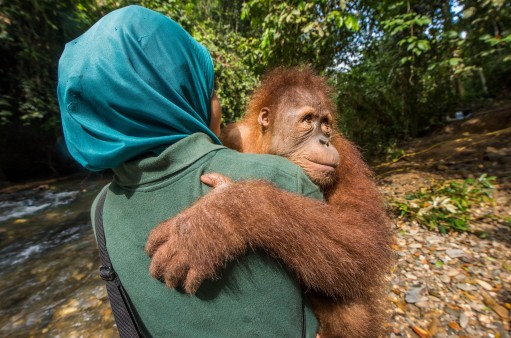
<point x="135" y="82"/>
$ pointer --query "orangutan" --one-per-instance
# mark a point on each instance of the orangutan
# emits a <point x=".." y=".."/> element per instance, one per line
<point x="339" y="250"/>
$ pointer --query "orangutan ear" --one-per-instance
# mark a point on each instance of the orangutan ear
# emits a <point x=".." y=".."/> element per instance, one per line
<point x="264" y="117"/>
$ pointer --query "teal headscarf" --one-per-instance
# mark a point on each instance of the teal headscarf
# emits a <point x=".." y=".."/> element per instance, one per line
<point x="135" y="82"/>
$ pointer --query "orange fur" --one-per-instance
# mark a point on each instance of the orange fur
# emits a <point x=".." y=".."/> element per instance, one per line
<point x="354" y="191"/>
<point x="340" y="251"/>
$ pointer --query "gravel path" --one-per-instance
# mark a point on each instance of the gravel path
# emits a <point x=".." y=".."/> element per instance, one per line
<point x="459" y="284"/>
<point x="449" y="286"/>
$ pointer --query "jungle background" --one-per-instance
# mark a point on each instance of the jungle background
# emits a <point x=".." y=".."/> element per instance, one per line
<point x="399" y="67"/>
<point x="422" y="87"/>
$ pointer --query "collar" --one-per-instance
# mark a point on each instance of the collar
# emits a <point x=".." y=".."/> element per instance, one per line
<point x="175" y="158"/>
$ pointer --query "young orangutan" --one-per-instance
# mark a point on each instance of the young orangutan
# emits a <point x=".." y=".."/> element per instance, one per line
<point x="340" y="250"/>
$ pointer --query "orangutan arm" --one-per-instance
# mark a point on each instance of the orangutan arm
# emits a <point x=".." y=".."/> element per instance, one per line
<point x="328" y="247"/>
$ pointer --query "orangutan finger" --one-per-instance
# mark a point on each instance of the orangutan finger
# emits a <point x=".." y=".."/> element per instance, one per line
<point x="157" y="237"/>
<point x="159" y="261"/>
<point x="175" y="274"/>
<point x="194" y="280"/>
<point x="215" y="180"/>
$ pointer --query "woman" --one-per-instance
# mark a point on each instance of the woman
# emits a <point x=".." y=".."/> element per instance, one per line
<point x="136" y="95"/>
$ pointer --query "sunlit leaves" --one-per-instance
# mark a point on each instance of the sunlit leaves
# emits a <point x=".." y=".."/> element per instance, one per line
<point x="446" y="205"/>
<point x="293" y="32"/>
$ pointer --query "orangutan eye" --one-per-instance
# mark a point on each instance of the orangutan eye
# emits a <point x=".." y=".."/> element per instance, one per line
<point x="326" y="126"/>
<point x="307" y="119"/>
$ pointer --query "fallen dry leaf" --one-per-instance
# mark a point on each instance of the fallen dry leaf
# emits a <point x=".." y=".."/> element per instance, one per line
<point x="433" y="326"/>
<point x="421" y="332"/>
<point x="469" y="296"/>
<point x="492" y="303"/>
<point x="455" y="326"/>
<point x="400" y="304"/>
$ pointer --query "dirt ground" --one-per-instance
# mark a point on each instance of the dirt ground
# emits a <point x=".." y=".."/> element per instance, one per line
<point x="454" y="285"/>
<point x="460" y="282"/>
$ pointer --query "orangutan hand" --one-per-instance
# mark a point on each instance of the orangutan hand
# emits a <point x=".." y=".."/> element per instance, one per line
<point x="215" y="180"/>
<point x="332" y="254"/>
<point x="194" y="245"/>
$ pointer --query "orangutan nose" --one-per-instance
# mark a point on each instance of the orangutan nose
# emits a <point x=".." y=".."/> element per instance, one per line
<point x="324" y="141"/>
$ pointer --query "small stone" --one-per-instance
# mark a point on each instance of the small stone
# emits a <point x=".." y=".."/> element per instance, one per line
<point x="478" y="307"/>
<point x="463" y="320"/>
<point x="453" y="272"/>
<point x="431" y="240"/>
<point x="410" y="276"/>
<point x="484" y="320"/>
<point x="459" y="277"/>
<point x="466" y="259"/>
<point x="414" y="294"/>
<point x="454" y="311"/>
<point x="466" y="287"/>
<point x="455" y="253"/>
<point x="485" y="285"/>
<point x="445" y="279"/>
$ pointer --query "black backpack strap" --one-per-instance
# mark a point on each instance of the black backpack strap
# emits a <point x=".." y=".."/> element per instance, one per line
<point x="124" y="317"/>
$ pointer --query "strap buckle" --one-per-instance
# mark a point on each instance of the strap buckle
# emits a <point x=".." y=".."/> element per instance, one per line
<point x="107" y="273"/>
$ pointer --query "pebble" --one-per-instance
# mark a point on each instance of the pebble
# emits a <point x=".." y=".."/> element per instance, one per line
<point x="460" y="267"/>
<point x="459" y="278"/>
<point x="453" y="272"/>
<point x="484" y="320"/>
<point x="478" y="307"/>
<point x="463" y="320"/>
<point x="455" y="253"/>
<point x="466" y="287"/>
<point x="432" y="240"/>
<point x="485" y="285"/>
<point x="445" y="279"/>
<point x="453" y="312"/>
<point x="410" y="276"/>
<point x="414" y="294"/>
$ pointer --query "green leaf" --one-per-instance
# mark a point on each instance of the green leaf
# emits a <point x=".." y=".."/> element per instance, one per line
<point x="423" y="45"/>
<point x="342" y="4"/>
<point x="351" y="23"/>
<point x="452" y="34"/>
<point x="454" y="61"/>
<point x="468" y="12"/>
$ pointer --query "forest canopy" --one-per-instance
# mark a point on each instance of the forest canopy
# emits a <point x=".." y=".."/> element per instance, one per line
<point x="399" y="67"/>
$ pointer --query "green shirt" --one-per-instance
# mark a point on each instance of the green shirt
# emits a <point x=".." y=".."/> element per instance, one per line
<point x="255" y="296"/>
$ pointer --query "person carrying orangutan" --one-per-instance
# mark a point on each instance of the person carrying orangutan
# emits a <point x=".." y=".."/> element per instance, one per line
<point x="291" y="114"/>
<point x="136" y="96"/>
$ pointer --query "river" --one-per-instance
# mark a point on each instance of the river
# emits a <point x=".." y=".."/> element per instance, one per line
<point x="49" y="285"/>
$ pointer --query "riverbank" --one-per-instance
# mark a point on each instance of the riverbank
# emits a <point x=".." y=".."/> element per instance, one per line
<point x="457" y="284"/>
<point x="443" y="285"/>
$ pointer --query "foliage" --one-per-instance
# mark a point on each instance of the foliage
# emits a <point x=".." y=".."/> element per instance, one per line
<point x="446" y="205"/>
<point x="217" y="25"/>
<point x="399" y="66"/>
<point x="295" y="32"/>
<point x="420" y="61"/>
<point x="32" y="36"/>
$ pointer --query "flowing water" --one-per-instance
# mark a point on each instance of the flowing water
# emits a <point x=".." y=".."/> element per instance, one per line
<point x="49" y="286"/>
